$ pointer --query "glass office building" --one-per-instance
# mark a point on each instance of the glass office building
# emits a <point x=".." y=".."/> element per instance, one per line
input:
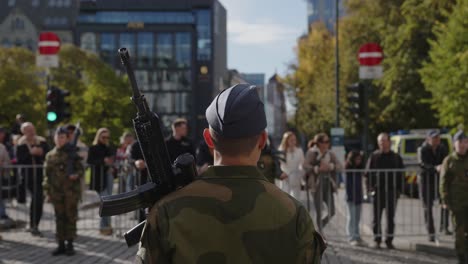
<point x="323" y="11"/>
<point x="178" y="50"/>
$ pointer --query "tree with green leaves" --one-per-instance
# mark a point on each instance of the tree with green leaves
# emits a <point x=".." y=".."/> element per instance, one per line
<point x="314" y="78"/>
<point x="98" y="96"/>
<point x="22" y="88"/>
<point x="445" y="74"/>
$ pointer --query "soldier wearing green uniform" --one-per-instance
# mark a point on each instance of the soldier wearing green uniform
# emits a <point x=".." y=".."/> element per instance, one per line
<point x="232" y="213"/>
<point x="63" y="191"/>
<point x="453" y="190"/>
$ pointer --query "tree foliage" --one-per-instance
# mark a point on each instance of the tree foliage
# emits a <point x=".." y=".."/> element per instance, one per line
<point x="400" y="100"/>
<point x="99" y="97"/>
<point x="445" y="74"/>
<point x="23" y="90"/>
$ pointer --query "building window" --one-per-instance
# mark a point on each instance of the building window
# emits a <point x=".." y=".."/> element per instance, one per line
<point x="108" y="47"/>
<point x="204" y="34"/>
<point x="59" y="3"/>
<point x="127" y="40"/>
<point x="35" y="3"/>
<point x="124" y="17"/>
<point x="6" y="43"/>
<point x="145" y="44"/>
<point x="164" y="50"/>
<point x="52" y="3"/>
<point x="66" y="3"/>
<point x="183" y="50"/>
<point x="11" y="2"/>
<point x="17" y="24"/>
<point x="88" y="42"/>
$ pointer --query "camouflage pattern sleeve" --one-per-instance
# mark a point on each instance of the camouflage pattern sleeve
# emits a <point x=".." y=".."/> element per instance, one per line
<point x="311" y="245"/>
<point x="78" y="168"/>
<point x="445" y="179"/>
<point x="48" y="170"/>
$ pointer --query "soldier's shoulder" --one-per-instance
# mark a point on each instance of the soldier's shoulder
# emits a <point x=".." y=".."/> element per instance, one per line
<point x="51" y="153"/>
<point x="198" y="188"/>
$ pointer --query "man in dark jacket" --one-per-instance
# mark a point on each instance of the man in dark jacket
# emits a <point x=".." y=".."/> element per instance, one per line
<point x="178" y="143"/>
<point x="385" y="185"/>
<point x="31" y="151"/>
<point x="430" y="157"/>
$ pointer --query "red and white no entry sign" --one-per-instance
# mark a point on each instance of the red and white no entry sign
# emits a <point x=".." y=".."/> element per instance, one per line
<point x="49" y="43"/>
<point x="370" y="54"/>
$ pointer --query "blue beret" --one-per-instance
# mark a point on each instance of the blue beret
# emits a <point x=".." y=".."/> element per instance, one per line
<point x="460" y="135"/>
<point x="433" y="133"/>
<point x="61" y="130"/>
<point x="237" y="112"/>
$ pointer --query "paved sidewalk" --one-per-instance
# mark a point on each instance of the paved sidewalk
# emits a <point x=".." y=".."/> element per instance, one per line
<point x="20" y="247"/>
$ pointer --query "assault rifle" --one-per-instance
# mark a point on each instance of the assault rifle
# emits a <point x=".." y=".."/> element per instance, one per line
<point x="164" y="176"/>
<point x="72" y="150"/>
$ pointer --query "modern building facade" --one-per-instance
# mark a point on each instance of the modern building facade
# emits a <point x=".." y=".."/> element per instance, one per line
<point x="257" y="79"/>
<point x="21" y="21"/>
<point x="178" y="49"/>
<point x="275" y="109"/>
<point x="323" y="11"/>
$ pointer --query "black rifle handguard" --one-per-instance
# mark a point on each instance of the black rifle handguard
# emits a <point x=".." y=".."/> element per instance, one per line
<point x="144" y="196"/>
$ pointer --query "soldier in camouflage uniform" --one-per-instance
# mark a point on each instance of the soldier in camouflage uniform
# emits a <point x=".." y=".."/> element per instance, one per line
<point x="63" y="191"/>
<point x="453" y="190"/>
<point x="231" y="214"/>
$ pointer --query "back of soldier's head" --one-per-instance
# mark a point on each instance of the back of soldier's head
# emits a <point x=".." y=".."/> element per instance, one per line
<point x="237" y="120"/>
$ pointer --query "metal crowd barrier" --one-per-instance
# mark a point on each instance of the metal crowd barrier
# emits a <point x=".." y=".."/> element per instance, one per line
<point x="24" y="199"/>
<point x="380" y="193"/>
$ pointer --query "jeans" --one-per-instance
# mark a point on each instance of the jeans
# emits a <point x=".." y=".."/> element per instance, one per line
<point x="3" y="213"/>
<point x="354" y="217"/>
<point x="130" y="181"/>
<point x="106" y="220"/>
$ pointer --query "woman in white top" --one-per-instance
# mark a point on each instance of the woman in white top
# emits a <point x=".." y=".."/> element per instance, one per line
<point x="292" y="166"/>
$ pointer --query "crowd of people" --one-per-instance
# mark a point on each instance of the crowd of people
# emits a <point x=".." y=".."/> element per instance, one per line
<point x="313" y="173"/>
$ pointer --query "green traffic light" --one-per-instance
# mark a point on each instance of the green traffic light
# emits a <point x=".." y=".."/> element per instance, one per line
<point x="51" y="116"/>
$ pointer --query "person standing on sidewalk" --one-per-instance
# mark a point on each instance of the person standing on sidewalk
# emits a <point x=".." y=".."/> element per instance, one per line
<point x="430" y="157"/>
<point x="101" y="159"/>
<point x="454" y="194"/>
<point x="31" y="151"/>
<point x="385" y="184"/>
<point x="354" y="195"/>
<point x="321" y="166"/>
<point x="63" y="191"/>
<point x="178" y="143"/>
<point x="291" y="167"/>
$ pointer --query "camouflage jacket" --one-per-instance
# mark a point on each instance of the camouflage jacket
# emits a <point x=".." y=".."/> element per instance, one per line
<point x="55" y="179"/>
<point x="454" y="181"/>
<point x="230" y="215"/>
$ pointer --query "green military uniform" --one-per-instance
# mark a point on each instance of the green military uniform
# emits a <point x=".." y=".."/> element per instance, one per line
<point x="454" y="193"/>
<point x="64" y="193"/>
<point x="232" y="214"/>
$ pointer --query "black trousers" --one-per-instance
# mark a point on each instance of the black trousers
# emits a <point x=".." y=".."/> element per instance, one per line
<point x="428" y="215"/>
<point x="34" y="185"/>
<point x="381" y="201"/>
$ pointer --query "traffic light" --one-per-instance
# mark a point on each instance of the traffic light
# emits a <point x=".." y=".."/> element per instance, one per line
<point x="355" y="94"/>
<point x="52" y="105"/>
<point x="57" y="107"/>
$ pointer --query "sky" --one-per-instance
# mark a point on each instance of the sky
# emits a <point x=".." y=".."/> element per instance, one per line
<point x="262" y="34"/>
